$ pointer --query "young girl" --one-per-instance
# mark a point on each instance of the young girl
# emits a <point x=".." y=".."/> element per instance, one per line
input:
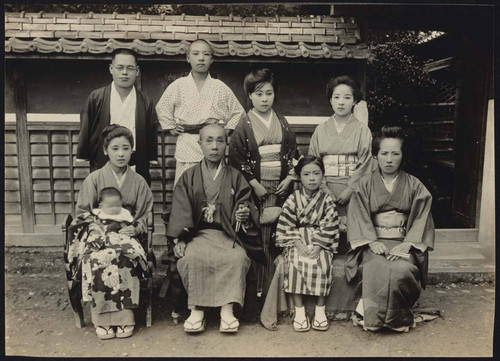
<point x="263" y="148"/>
<point x="308" y="230"/>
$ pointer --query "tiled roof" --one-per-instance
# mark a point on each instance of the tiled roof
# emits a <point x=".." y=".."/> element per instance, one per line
<point x="316" y="37"/>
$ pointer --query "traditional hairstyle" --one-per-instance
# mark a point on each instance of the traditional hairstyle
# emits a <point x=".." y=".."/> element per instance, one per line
<point x="114" y="131"/>
<point x="109" y="191"/>
<point x="347" y="80"/>
<point x="389" y="131"/>
<point x="201" y="41"/>
<point x="124" y="51"/>
<point x="255" y="80"/>
<point x="308" y="159"/>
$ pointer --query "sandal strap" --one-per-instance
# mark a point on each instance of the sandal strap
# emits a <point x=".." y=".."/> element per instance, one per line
<point x="302" y="323"/>
<point x="229" y="324"/>
<point x="320" y="324"/>
<point x="194" y="323"/>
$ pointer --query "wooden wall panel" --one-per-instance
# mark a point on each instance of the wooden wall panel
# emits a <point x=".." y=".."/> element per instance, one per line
<point x="57" y="176"/>
<point x="11" y="180"/>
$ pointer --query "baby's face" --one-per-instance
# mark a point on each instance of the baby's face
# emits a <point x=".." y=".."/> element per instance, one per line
<point x="111" y="205"/>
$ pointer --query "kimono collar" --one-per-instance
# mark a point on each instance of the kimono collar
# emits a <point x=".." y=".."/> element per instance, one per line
<point x="340" y="126"/>
<point x="266" y="122"/>
<point x="219" y="168"/>
<point x="119" y="180"/>
<point x="305" y="194"/>
<point x="208" y="79"/>
<point x="389" y="185"/>
<point x="130" y="97"/>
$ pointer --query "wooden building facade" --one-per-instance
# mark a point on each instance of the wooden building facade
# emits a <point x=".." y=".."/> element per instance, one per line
<point x="53" y="61"/>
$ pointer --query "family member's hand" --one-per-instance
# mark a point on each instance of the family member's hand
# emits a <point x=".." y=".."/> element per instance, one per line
<point x="403" y="247"/>
<point x="259" y="190"/>
<point x="242" y="213"/>
<point x="128" y="231"/>
<point x="283" y="186"/>
<point x="179" y="249"/>
<point x="378" y="247"/>
<point x="179" y="129"/>
<point x="314" y="251"/>
<point x="301" y="247"/>
<point x="343" y="198"/>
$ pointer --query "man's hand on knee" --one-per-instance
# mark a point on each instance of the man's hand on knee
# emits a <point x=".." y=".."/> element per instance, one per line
<point x="179" y="249"/>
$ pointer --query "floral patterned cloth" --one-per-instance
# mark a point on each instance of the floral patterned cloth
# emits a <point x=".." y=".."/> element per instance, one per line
<point x="110" y="264"/>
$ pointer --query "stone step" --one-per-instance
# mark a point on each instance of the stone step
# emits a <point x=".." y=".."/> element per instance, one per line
<point x="461" y="262"/>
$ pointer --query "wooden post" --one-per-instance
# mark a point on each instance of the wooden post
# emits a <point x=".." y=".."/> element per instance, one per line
<point x="23" y="151"/>
<point x="487" y="210"/>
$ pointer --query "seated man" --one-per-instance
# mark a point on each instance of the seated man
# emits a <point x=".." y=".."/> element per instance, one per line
<point x="211" y="221"/>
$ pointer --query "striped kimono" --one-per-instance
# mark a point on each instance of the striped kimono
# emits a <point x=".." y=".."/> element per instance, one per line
<point x="312" y="220"/>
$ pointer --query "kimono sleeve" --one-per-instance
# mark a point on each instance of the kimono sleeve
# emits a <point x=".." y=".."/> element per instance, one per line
<point x="181" y="217"/>
<point x="152" y="131"/>
<point x="144" y="204"/>
<point x="420" y="231"/>
<point x="314" y="144"/>
<point x="165" y="107"/>
<point x="360" y="228"/>
<point x="239" y="155"/>
<point x="364" y="157"/>
<point x="87" y="196"/>
<point x="328" y="235"/>
<point x="234" y="109"/>
<point x="286" y="230"/>
<point x="83" y="151"/>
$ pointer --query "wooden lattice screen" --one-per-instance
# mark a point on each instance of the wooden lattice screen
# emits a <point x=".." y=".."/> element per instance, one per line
<point x="57" y="177"/>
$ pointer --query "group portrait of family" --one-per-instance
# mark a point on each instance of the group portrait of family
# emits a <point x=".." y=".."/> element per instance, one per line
<point x="252" y="217"/>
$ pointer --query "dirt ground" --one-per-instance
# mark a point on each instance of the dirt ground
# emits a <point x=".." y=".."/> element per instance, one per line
<point x="39" y="322"/>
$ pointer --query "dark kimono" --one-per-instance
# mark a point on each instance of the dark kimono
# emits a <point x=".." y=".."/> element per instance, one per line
<point x="266" y="154"/>
<point x="214" y="267"/>
<point x="389" y="289"/>
<point x="95" y="116"/>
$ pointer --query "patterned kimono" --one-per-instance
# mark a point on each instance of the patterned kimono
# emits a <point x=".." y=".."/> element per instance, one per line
<point x="110" y="278"/>
<point x="389" y="289"/>
<point x="268" y="155"/>
<point x="347" y="157"/>
<point x="108" y="262"/>
<point x="312" y="220"/>
<point x="182" y="103"/>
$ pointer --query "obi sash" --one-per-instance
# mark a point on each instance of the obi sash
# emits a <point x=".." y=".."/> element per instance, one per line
<point x="195" y="128"/>
<point x="337" y="165"/>
<point x="270" y="164"/>
<point x="390" y="224"/>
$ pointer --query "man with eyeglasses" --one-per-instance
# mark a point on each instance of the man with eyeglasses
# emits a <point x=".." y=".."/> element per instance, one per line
<point x="119" y="103"/>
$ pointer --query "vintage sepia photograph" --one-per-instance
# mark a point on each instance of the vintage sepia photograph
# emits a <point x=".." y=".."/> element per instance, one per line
<point x="272" y="179"/>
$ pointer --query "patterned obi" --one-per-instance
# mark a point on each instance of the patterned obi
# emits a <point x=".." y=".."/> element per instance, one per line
<point x="270" y="163"/>
<point x="337" y="165"/>
<point x="391" y="224"/>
